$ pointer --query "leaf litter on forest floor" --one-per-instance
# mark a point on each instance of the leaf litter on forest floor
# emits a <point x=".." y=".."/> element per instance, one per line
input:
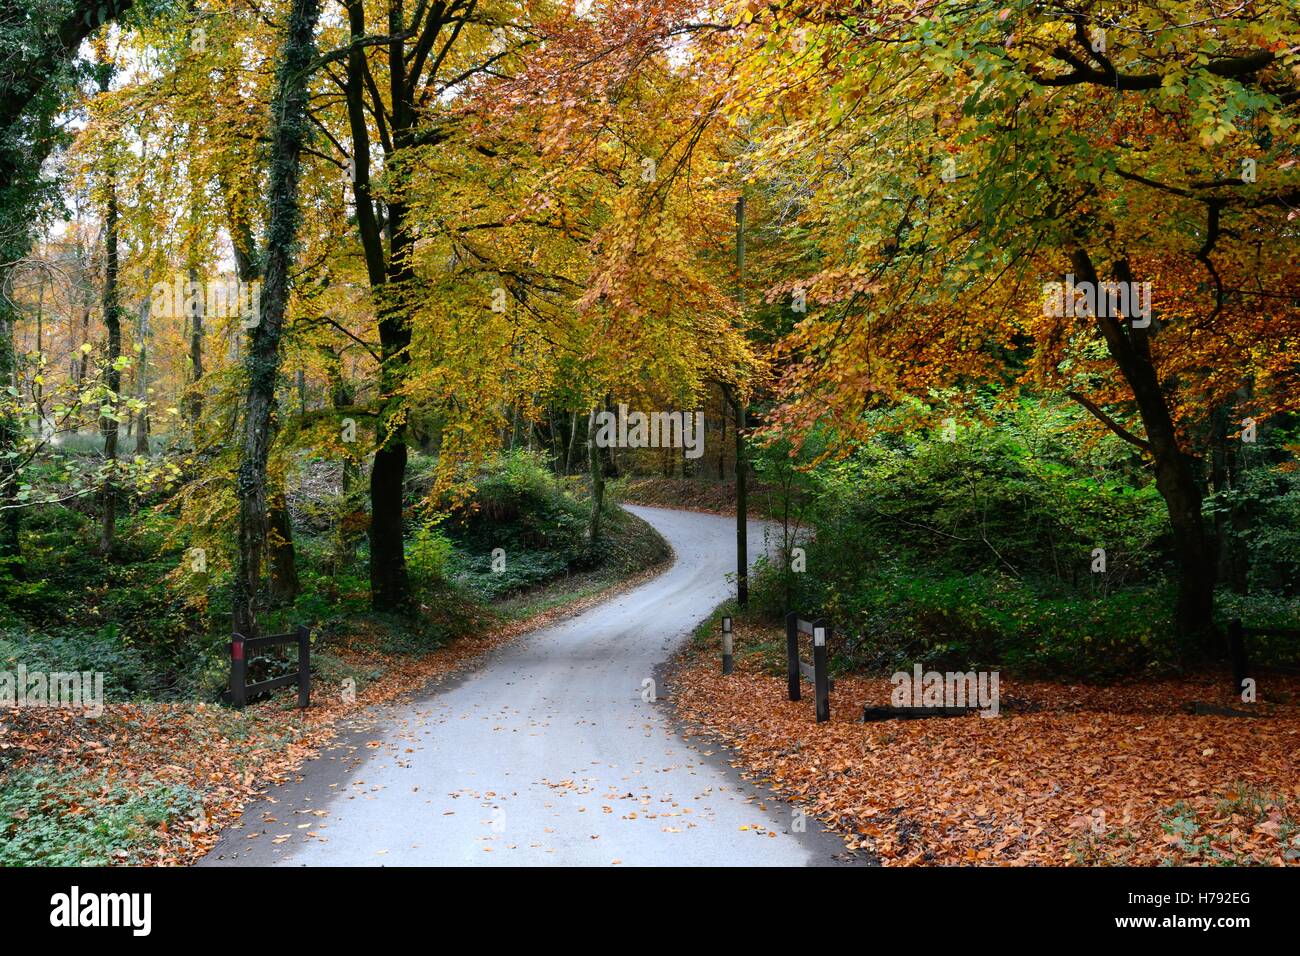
<point x="1075" y="774"/>
<point x="230" y="757"/>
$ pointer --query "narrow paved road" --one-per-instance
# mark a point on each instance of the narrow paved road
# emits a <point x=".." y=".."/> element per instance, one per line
<point x="546" y="754"/>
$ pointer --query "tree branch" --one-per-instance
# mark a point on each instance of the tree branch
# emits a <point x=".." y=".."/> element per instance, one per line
<point x="1109" y="422"/>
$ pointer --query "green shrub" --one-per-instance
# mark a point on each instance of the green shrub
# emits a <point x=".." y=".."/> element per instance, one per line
<point x="521" y="508"/>
<point x="1266" y="502"/>
<point x="427" y="557"/>
<point x="990" y="501"/>
<point x="905" y="616"/>
<point x="975" y="548"/>
<point x="127" y="672"/>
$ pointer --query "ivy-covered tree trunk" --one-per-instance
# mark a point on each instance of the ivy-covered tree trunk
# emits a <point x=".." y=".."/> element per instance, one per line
<point x="9" y="427"/>
<point x="262" y="358"/>
<point x="285" y="584"/>
<point x="112" y="374"/>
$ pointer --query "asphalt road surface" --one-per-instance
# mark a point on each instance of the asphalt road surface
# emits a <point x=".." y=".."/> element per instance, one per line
<point x="546" y="754"/>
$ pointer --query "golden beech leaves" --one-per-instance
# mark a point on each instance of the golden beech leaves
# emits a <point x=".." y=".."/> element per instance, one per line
<point x="915" y="176"/>
<point x="940" y="164"/>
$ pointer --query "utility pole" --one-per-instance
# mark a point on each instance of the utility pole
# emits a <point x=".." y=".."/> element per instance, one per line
<point x="742" y="505"/>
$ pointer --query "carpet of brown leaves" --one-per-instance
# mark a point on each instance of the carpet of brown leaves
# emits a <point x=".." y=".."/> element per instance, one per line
<point x="1067" y="775"/>
<point x="229" y="756"/>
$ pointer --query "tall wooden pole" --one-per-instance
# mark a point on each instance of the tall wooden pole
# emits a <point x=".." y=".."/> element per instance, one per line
<point x="742" y="505"/>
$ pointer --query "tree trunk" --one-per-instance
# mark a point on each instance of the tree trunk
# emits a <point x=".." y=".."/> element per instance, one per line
<point x="194" y="406"/>
<point x="596" y="466"/>
<point x="112" y="376"/>
<point x="571" y="461"/>
<point x="142" y="382"/>
<point x="390" y="277"/>
<point x="38" y="392"/>
<point x="558" y="459"/>
<point x="285" y="583"/>
<point x="722" y="442"/>
<point x="390" y="588"/>
<point x="85" y="339"/>
<point x="9" y="428"/>
<point x="262" y="358"/>
<point x="742" y="504"/>
<point x="349" y="518"/>
<point x="1175" y="471"/>
<point x="285" y="586"/>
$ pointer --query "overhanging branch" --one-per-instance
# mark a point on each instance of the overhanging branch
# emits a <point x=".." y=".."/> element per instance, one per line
<point x="1109" y="422"/>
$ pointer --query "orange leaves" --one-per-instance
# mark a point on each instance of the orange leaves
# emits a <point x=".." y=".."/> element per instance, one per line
<point x="1067" y="775"/>
<point x="956" y="260"/>
<point x="229" y="756"/>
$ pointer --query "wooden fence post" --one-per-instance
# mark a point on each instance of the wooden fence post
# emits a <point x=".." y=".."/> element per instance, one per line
<point x="1237" y="652"/>
<point x="792" y="652"/>
<point x="304" y="666"/>
<point x="728" y="661"/>
<point x="821" y="635"/>
<point x="238" y="671"/>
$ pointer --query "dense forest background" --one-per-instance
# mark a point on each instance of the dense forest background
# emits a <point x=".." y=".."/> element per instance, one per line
<point x="308" y="310"/>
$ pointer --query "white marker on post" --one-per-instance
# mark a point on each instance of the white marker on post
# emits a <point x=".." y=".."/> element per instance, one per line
<point x="727" y="660"/>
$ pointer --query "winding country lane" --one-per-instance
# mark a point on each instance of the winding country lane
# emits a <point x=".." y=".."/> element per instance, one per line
<point x="546" y="754"/>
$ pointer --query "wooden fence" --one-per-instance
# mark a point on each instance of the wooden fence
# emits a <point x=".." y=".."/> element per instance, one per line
<point x="816" y="672"/>
<point x="241" y="647"/>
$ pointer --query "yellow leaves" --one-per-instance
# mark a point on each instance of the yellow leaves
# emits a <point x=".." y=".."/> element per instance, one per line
<point x="1216" y="135"/>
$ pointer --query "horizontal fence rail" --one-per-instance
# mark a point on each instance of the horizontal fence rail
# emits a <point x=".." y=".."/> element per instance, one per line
<point x="240" y="648"/>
